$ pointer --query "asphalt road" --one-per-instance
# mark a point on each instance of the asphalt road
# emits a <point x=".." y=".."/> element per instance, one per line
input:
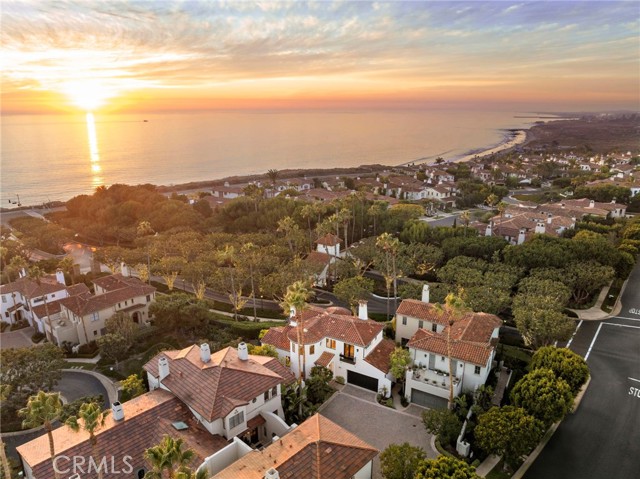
<point x="602" y="439"/>
<point x="74" y="386"/>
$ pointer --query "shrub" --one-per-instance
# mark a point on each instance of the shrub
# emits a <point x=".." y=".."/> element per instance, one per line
<point x="37" y="337"/>
<point x="564" y="363"/>
<point x="340" y="380"/>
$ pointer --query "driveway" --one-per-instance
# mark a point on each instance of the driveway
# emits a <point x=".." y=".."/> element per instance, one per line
<point x="357" y="411"/>
<point x="17" y="339"/>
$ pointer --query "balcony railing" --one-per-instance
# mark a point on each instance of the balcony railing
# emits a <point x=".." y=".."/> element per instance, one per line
<point x="347" y="359"/>
<point x="433" y="377"/>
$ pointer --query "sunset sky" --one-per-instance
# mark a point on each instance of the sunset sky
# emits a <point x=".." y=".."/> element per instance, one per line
<point x="165" y="55"/>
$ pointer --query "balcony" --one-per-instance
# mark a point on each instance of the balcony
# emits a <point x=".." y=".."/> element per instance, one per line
<point x="434" y="378"/>
<point x="347" y="359"/>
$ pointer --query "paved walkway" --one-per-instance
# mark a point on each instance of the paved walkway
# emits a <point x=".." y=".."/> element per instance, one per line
<point x="17" y="339"/>
<point x="487" y="465"/>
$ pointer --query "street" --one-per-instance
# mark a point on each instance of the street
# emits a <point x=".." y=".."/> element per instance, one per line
<point x="602" y="439"/>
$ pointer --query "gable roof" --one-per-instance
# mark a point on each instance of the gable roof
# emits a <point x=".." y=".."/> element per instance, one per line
<point x="147" y="419"/>
<point x="338" y="326"/>
<point x="216" y="388"/>
<point x="317" y="449"/>
<point x="32" y="289"/>
<point x="380" y="357"/>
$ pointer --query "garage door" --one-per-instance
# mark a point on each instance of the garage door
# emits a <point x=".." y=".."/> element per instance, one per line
<point x="363" y="381"/>
<point x="424" y="399"/>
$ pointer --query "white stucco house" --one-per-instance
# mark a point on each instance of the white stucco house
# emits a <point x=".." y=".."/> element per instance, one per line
<point x="350" y="346"/>
<point x="424" y="329"/>
<point x="230" y="392"/>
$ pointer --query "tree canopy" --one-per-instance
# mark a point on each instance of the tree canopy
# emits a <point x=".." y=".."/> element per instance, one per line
<point x="543" y="395"/>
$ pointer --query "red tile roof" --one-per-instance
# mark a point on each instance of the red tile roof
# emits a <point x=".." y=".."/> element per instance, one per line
<point x="341" y="327"/>
<point x="215" y="388"/>
<point x="319" y="258"/>
<point x="147" y="419"/>
<point x="325" y="359"/>
<point x="424" y="311"/>
<point x="277" y="337"/>
<point x="31" y="289"/>
<point x="380" y="357"/>
<point x="329" y="240"/>
<point x="317" y="449"/>
<point x="470" y="336"/>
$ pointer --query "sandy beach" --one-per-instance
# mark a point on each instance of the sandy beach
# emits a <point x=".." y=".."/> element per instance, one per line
<point x="516" y="139"/>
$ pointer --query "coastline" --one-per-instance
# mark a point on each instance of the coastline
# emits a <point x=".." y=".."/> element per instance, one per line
<point x="513" y="139"/>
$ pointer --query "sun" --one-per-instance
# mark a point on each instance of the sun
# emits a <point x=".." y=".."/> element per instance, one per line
<point x="88" y="94"/>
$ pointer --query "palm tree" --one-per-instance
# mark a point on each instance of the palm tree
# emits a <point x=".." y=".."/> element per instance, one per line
<point x="502" y="207"/>
<point x="453" y="310"/>
<point x="389" y="246"/>
<point x="66" y="265"/>
<point x="273" y="174"/>
<point x="465" y="217"/>
<point x="295" y="300"/>
<point x="90" y="419"/>
<point x="169" y="457"/>
<point x="43" y="409"/>
<point x="250" y="254"/>
<point x="4" y="392"/>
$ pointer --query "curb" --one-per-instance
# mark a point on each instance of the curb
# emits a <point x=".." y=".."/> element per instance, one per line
<point x="580" y="395"/>
<point x="535" y="453"/>
<point x="112" y="392"/>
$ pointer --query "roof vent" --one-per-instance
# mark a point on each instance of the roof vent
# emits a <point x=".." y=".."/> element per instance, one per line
<point x="179" y="425"/>
<point x="117" y="411"/>
<point x="271" y="474"/>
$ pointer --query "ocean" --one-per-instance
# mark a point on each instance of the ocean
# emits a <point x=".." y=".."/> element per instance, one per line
<point x="55" y="157"/>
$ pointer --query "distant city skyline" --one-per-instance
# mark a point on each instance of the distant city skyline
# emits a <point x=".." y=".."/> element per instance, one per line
<point x="165" y="55"/>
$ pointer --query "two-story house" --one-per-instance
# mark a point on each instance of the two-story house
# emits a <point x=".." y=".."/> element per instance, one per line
<point x="350" y="346"/>
<point x="230" y="392"/>
<point x="431" y="333"/>
<point x="82" y="318"/>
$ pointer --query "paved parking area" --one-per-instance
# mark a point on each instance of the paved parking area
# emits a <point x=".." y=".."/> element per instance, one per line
<point x="17" y="339"/>
<point x="357" y="411"/>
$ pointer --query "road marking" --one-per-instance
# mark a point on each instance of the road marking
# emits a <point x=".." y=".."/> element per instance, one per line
<point x="636" y="380"/>
<point x="593" y="341"/>
<point x="623" y="317"/>
<point x="620" y="326"/>
<point x="574" y="333"/>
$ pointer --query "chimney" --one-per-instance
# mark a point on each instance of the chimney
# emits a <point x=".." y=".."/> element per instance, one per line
<point x="22" y="273"/>
<point x="425" y="293"/>
<point x="163" y="368"/>
<point x="271" y="474"/>
<point x="521" y="236"/>
<point x="275" y="439"/>
<point x="117" y="412"/>
<point x="60" y="277"/>
<point x="592" y="204"/>
<point x="489" y="230"/>
<point x="205" y="353"/>
<point x="243" y="352"/>
<point x="540" y="229"/>
<point x="362" y="310"/>
<point x="549" y="218"/>
<point x="124" y="270"/>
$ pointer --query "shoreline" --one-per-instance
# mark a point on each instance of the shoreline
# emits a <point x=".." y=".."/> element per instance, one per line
<point x="513" y="139"/>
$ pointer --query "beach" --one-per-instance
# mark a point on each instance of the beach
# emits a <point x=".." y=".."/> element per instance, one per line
<point x="517" y="137"/>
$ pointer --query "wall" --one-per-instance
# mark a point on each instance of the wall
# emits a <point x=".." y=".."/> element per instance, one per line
<point x="365" y="472"/>
<point x="225" y="457"/>
<point x="408" y="330"/>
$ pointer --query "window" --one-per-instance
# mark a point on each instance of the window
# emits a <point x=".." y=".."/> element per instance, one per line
<point x="266" y="396"/>
<point x="331" y="343"/>
<point x="420" y="324"/>
<point x="476" y="370"/>
<point x="434" y="327"/>
<point x="4" y="299"/>
<point x="95" y="333"/>
<point x="235" y="421"/>
<point x="95" y="316"/>
<point x="312" y="349"/>
<point x="274" y="391"/>
<point x="287" y="361"/>
<point x="348" y="350"/>
<point x="148" y="298"/>
<point x="404" y="320"/>
<point x="441" y="358"/>
<point x="254" y="400"/>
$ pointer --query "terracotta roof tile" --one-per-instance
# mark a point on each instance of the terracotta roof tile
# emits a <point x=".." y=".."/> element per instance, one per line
<point x="380" y="357"/>
<point x="147" y="419"/>
<point x="317" y="449"/>
<point x="215" y="388"/>
<point x="324" y="359"/>
<point x="341" y="327"/>
<point x="329" y="240"/>
<point x="318" y="257"/>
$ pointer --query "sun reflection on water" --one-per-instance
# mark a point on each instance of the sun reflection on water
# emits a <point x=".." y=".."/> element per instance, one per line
<point x="94" y="154"/>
